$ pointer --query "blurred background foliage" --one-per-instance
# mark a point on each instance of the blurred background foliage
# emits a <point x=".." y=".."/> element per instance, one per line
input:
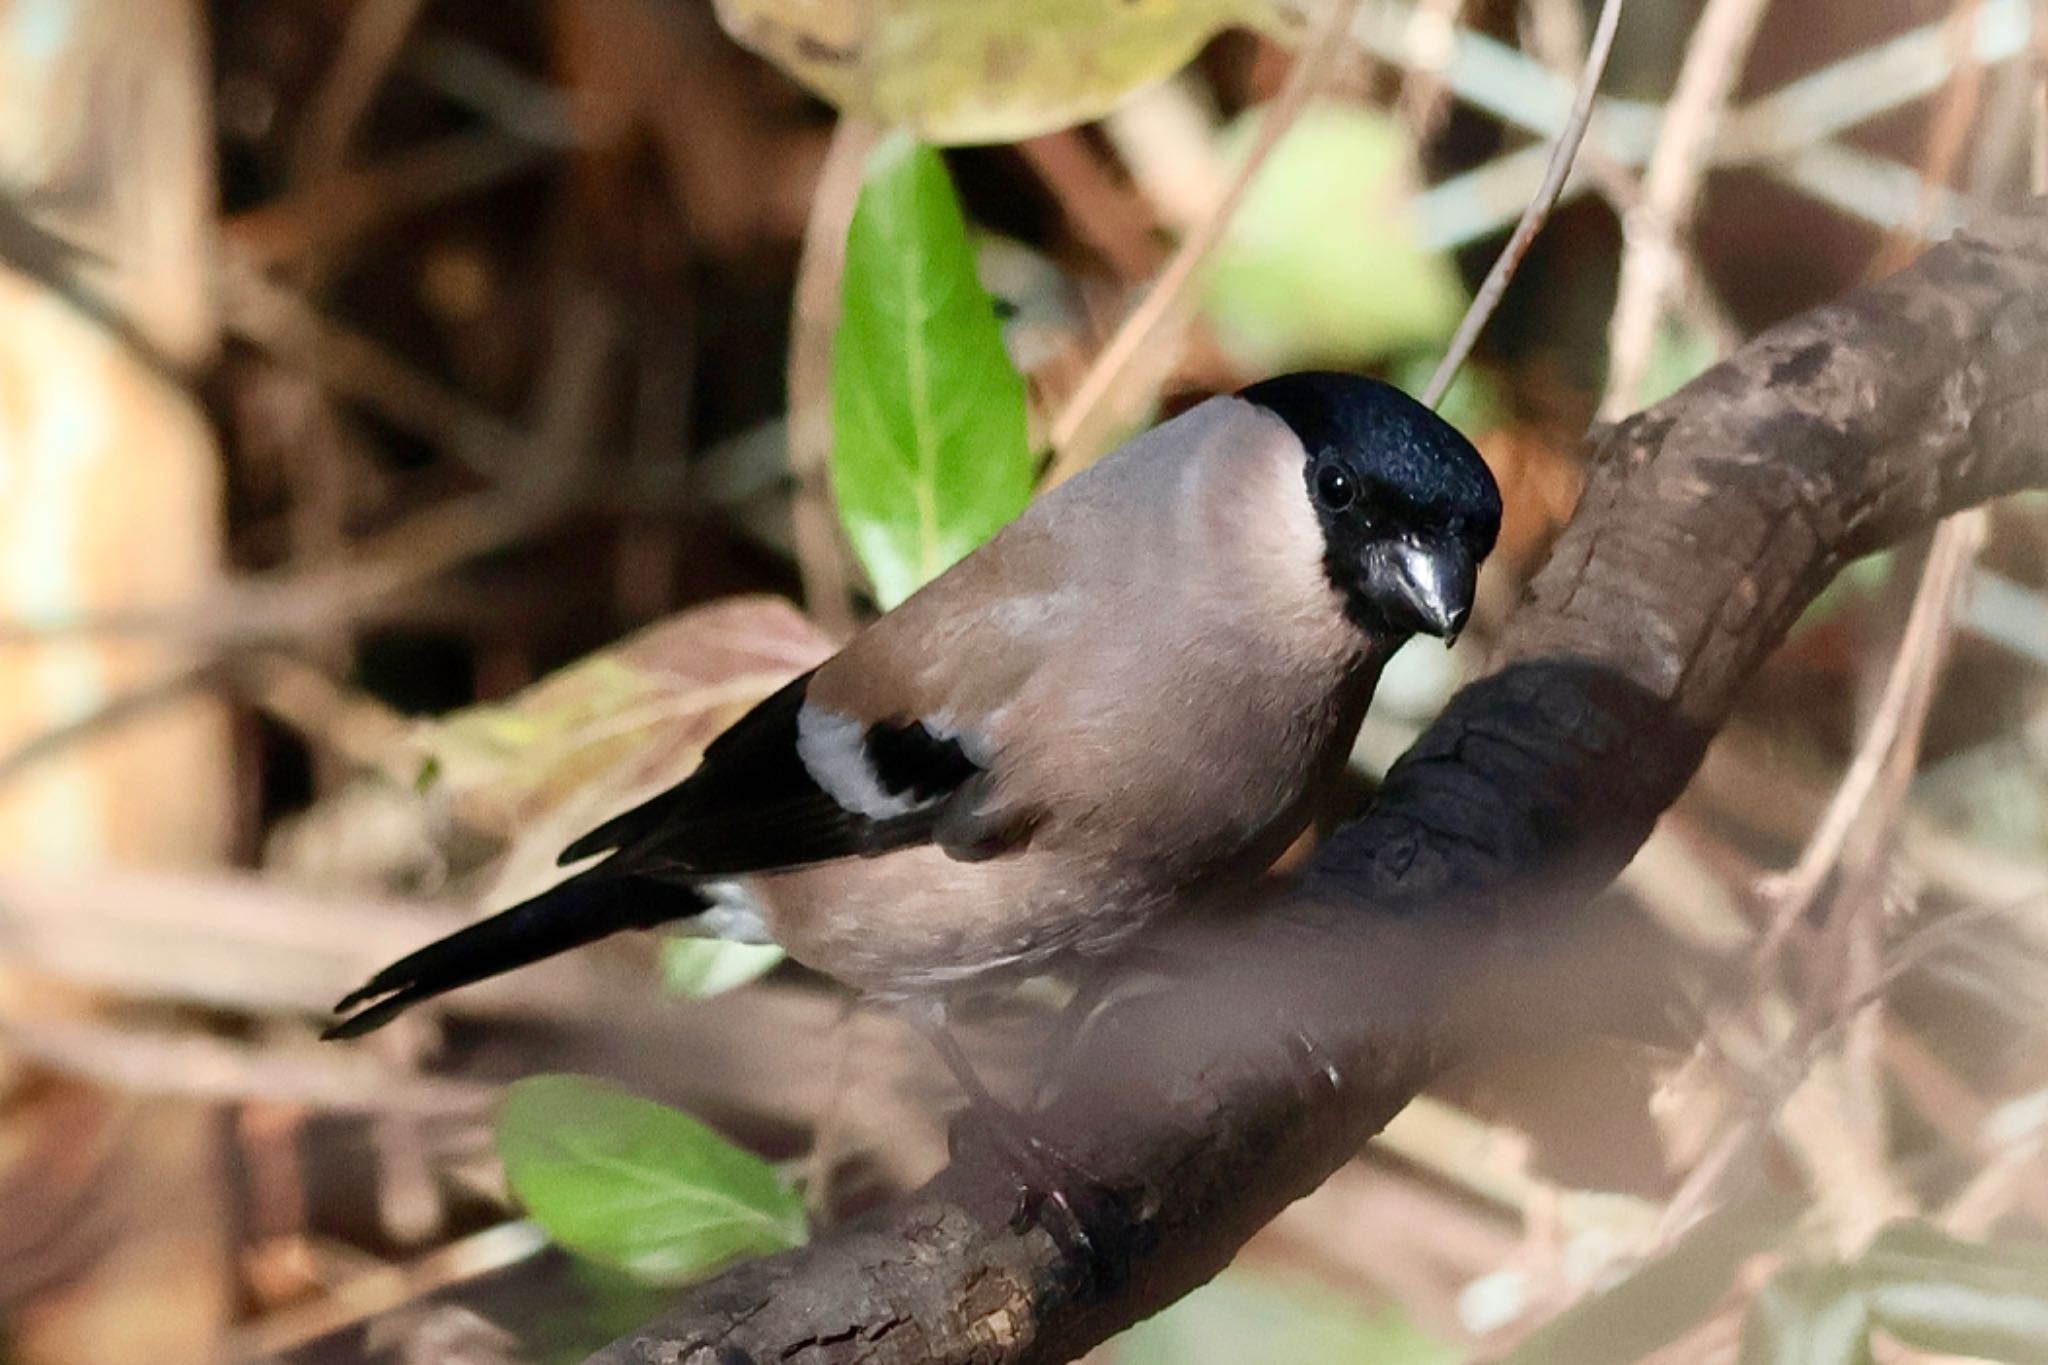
<point x="425" y="423"/>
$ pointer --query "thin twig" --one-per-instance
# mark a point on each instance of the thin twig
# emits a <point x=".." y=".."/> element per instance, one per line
<point x="545" y="477"/>
<point x="169" y="686"/>
<point x="370" y="44"/>
<point x="198" y="1065"/>
<point x="1109" y="216"/>
<point x="279" y="320"/>
<point x="821" y="555"/>
<point x="1556" y="33"/>
<point x="1086" y="419"/>
<point x="1714" y="58"/>
<point x="292" y="604"/>
<point x="386" y="1289"/>
<point x="1562" y="155"/>
<point x="1896" y="724"/>
<point x="338" y="720"/>
<point x="339" y="209"/>
<point x="1947" y="134"/>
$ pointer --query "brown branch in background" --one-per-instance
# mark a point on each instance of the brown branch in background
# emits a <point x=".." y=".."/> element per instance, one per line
<point x="1090" y="416"/>
<point x="328" y="214"/>
<point x="1106" y="214"/>
<point x="822" y="557"/>
<point x="288" y="604"/>
<point x="1450" y="911"/>
<point x="1650" y="271"/>
<point x="169" y="686"/>
<point x="541" y="475"/>
<point x="370" y="45"/>
<point x="1537" y="212"/>
<point x="197" y="1065"/>
<point x="349" y="365"/>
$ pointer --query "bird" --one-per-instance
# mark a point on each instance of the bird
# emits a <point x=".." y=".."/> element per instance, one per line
<point x="1138" y="688"/>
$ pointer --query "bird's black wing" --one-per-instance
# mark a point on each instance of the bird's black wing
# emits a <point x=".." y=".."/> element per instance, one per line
<point x="754" y="805"/>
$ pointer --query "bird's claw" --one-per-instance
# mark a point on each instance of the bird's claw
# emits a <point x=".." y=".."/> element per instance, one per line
<point x="1055" y="1192"/>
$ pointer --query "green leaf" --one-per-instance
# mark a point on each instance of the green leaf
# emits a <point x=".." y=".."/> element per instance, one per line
<point x="1244" y="1317"/>
<point x="930" y="455"/>
<point x="1681" y="352"/>
<point x="1855" y="582"/>
<point x="1935" y="1293"/>
<point x="1323" y="264"/>
<point x="957" y="73"/>
<point x="1664" y="1297"/>
<point x="1474" y="403"/>
<point x="1808" y="1315"/>
<point x="704" y="967"/>
<point x="581" y="1309"/>
<point x="637" y="1185"/>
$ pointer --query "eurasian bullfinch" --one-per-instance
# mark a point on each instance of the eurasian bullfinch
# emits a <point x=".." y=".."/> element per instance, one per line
<point x="1138" y="688"/>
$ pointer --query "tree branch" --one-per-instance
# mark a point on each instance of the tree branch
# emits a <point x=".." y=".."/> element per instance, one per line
<point x="1283" y="1038"/>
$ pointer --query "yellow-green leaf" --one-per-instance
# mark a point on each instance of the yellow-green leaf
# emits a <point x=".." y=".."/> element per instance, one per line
<point x="1323" y="264"/>
<point x="704" y="967"/>
<point x="1808" y="1316"/>
<point x="1245" y="1317"/>
<point x="637" y="1185"/>
<point x="986" y="72"/>
<point x="1936" y="1293"/>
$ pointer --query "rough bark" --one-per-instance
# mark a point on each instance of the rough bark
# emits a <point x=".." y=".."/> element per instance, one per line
<point x="1286" y="1035"/>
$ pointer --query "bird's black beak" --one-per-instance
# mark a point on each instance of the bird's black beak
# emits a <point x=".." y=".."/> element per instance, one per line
<point x="1426" y="584"/>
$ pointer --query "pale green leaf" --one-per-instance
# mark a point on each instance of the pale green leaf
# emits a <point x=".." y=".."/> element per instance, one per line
<point x="930" y="455"/>
<point x="1856" y="582"/>
<point x="637" y="1185"/>
<point x="1473" y="404"/>
<point x="1681" y="352"/>
<point x="1808" y="1316"/>
<point x="1323" y="265"/>
<point x="1936" y="1293"/>
<point x="702" y="967"/>
<point x="1664" y="1297"/>
<point x="1244" y="1317"/>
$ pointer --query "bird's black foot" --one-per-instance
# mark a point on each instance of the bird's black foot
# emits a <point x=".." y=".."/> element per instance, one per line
<point x="1083" y="1212"/>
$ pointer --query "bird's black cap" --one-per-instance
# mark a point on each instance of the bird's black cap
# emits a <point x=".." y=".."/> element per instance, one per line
<point x="1412" y="451"/>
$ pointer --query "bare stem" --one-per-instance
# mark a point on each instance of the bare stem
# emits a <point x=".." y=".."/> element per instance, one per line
<point x="1562" y="155"/>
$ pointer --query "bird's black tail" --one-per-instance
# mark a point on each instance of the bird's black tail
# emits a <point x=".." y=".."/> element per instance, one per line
<point x="589" y="906"/>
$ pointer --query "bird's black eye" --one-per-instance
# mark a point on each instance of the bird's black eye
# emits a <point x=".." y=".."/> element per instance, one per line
<point x="1335" y="489"/>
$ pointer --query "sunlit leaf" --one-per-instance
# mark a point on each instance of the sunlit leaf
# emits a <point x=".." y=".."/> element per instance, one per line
<point x="1856" y="582"/>
<point x="955" y="73"/>
<point x="1322" y="265"/>
<point x="1473" y="404"/>
<point x="704" y="967"/>
<point x="591" y="1303"/>
<point x="930" y="455"/>
<point x="1243" y="1317"/>
<point x="1808" y="1316"/>
<point x="1665" y="1297"/>
<point x="1681" y="353"/>
<point x="1935" y="1293"/>
<point x="637" y="1185"/>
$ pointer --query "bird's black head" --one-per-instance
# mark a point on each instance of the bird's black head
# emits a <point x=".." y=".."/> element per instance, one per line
<point x="1408" y="508"/>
